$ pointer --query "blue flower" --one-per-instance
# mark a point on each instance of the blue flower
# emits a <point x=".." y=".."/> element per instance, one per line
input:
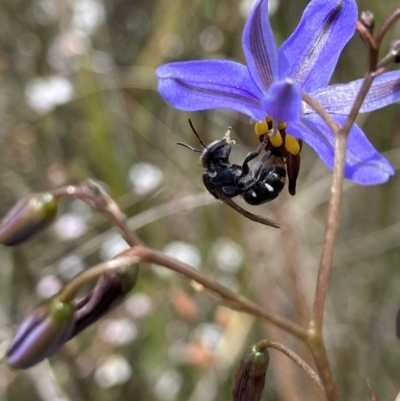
<point x="271" y="84"/>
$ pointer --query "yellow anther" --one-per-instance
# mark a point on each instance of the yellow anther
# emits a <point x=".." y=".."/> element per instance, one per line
<point x="282" y="126"/>
<point x="276" y="140"/>
<point x="292" y="145"/>
<point x="261" y="128"/>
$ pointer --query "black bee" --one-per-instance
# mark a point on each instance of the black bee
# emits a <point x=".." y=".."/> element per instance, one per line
<point x="264" y="181"/>
<point x="258" y="184"/>
<point x="221" y="176"/>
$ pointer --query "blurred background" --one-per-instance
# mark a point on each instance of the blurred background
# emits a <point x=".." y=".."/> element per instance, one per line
<point x="78" y="100"/>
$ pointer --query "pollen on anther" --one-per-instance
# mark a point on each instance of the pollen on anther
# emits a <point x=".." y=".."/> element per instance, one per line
<point x="282" y="126"/>
<point x="227" y="137"/>
<point x="292" y="145"/>
<point x="276" y="140"/>
<point x="261" y="128"/>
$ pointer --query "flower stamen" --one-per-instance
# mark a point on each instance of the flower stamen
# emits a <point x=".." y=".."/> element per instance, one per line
<point x="292" y="145"/>
<point x="261" y="127"/>
<point x="276" y="140"/>
<point x="277" y="135"/>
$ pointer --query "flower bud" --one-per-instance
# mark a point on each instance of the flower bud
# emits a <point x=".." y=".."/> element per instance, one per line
<point x="109" y="292"/>
<point x="29" y="216"/>
<point x="249" y="379"/>
<point x="368" y="20"/>
<point x="394" y="49"/>
<point x="45" y="330"/>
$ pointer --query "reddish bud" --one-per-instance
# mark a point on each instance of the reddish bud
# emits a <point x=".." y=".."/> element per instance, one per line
<point x="249" y="379"/>
<point x="29" y="216"/>
<point x="42" y="333"/>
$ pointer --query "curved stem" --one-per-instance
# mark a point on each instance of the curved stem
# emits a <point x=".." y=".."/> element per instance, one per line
<point x="366" y="85"/>
<point x="365" y="34"/>
<point x="68" y="293"/>
<point x="92" y="194"/>
<point x="316" y="106"/>
<point x="295" y="358"/>
<point x="234" y="300"/>
<point x="140" y="253"/>
<point x="391" y="20"/>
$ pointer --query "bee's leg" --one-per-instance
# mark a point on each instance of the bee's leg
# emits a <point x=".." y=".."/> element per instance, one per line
<point x="250" y="156"/>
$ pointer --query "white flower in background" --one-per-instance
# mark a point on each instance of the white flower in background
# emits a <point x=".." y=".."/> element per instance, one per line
<point x="145" y="178"/>
<point x="43" y="94"/>
<point x="115" y="370"/>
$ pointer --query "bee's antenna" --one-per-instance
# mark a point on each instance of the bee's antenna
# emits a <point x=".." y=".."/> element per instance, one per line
<point x="189" y="147"/>
<point x="197" y="135"/>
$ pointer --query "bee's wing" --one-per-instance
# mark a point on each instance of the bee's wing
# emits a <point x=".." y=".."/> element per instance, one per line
<point x="245" y="213"/>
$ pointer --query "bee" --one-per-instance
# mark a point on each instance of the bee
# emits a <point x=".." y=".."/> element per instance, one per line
<point x="256" y="184"/>
<point x="264" y="181"/>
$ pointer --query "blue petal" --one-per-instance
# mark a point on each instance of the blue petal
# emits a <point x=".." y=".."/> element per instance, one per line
<point x="310" y="55"/>
<point x="210" y="84"/>
<point x="364" y="164"/>
<point x="339" y="98"/>
<point x="259" y="47"/>
<point x="283" y="101"/>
